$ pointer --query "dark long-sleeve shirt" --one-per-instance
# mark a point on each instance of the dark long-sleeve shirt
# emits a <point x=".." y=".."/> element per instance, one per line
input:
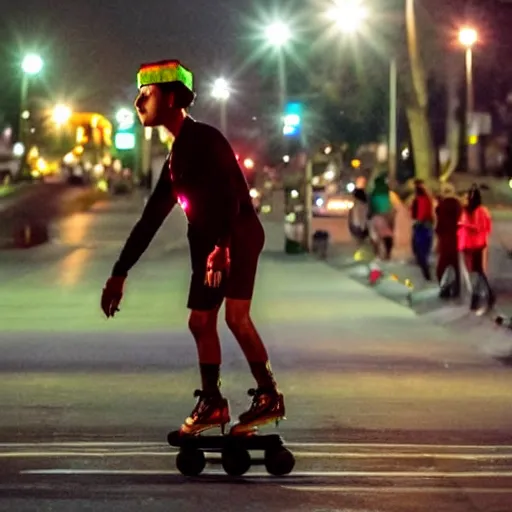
<point x="203" y="175"/>
<point x="448" y="212"/>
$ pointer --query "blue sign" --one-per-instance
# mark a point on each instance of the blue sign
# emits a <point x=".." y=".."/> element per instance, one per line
<point x="292" y="119"/>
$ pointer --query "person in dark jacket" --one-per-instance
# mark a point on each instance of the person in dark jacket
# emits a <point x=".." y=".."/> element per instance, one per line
<point x="448" y="212"/>
<point x="225" y="235"/>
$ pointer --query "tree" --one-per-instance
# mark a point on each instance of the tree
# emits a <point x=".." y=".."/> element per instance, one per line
<point x="417" y="104"/>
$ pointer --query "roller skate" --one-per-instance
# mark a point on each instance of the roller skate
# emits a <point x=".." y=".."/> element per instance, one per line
<point x="210" y="411"/>
<point x="267" y="407"/>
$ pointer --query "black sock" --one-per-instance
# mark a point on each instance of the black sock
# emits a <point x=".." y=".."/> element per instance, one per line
<point x="262" y="372"/>
<point x="210" y="378"/>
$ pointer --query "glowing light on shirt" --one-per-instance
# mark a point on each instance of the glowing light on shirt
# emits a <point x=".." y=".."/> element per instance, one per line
<point x="183" y="203"/>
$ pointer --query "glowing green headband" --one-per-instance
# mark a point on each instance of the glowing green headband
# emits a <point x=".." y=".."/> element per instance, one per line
<point x="164" y="72"/>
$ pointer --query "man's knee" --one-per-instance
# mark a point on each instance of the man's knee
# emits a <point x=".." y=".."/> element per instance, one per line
<point x="237" y="315"/>
<point x="201" y="322"/>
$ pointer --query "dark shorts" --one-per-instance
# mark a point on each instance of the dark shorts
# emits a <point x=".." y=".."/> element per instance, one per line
<point x="246" y="245"/>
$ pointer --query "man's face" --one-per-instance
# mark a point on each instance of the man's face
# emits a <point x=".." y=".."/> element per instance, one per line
<point x="151" y="105"/>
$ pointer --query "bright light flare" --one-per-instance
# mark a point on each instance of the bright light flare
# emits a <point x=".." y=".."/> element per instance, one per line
<point x="221" y="89"/>
<point x="32" y="64"/>
<point x="249" y="163"/>
<point x="278" y="34"/>
<point x="468" y="37"/>
<point x="348" y="15"/>
<point x="61" y="114"/>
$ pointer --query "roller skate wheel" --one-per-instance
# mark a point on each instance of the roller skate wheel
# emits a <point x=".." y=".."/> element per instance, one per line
<point x="279" y="462"/>
<point x="190" y="462"/>
<point x="236" y="462"/>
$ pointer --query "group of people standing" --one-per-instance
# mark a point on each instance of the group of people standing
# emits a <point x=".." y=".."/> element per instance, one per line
<point x="461" y="226"/>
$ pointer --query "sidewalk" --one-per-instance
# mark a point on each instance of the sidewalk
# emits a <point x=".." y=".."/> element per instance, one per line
<point x="298" y="302"/>
<point x="422" y="296"/>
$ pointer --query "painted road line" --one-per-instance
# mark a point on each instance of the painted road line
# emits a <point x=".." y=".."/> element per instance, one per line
<point x="386" y="446"/>
<point x="477" y="447"/>
<point x="298" y="454"/>
<point x="82" y="444"/>
<point x="298" y="474"/>
<point x="397" y="489"/>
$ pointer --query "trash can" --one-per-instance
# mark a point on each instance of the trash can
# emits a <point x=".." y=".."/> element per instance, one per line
<point x="320" y="243"/>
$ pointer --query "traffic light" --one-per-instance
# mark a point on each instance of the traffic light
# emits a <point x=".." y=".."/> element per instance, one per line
<point x="292" y="119"/>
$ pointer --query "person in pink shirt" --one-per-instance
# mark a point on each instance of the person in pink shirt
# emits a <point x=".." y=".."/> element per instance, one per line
<point x="475" y="226"/>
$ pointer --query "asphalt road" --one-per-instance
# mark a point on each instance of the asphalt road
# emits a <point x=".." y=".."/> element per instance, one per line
<point x="386" y="412"/>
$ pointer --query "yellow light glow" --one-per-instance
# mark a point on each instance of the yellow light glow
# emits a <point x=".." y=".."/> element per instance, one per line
<point x="61" y="114"/>
<point x="468" y="36"/>
<point x="348" y="15"/>
<point x="41" y="165"/>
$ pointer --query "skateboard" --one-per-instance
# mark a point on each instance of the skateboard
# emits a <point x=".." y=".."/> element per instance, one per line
<point x="234" y="449"/>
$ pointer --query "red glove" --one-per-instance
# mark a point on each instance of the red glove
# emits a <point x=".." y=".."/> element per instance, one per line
<point x="112" y="295"/>
<point x="218" y="261"/>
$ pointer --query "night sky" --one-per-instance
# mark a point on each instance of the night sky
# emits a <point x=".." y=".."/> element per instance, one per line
<point x="92" y="48"/>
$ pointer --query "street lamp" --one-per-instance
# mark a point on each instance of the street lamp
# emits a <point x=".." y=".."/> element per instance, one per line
<point x="61" y="114"/>
<point x="277" y="35"/>
<point x="31" y="65"/>
<point x="468" y="37"/>
<point x="221" y="92"/>
<point x="349" y="16"/>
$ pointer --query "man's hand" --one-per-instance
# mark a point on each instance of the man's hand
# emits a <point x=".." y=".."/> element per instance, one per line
<point x="218" y="261"/>
<point x="112" y="295"/>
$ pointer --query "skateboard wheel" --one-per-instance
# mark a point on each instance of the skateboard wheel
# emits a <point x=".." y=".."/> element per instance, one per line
<point x="190" y="462"/>
<point x="279" y="462"/>
<point x="236" y="462"/>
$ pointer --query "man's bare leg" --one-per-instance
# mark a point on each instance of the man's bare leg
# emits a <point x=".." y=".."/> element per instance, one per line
<point x="268" y="404"/>
<point x="211" y="409"/>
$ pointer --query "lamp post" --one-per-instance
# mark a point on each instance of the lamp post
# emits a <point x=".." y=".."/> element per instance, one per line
<point x="468" y="37"/>
<point x="349" y="16"/>
<point x="30" y="65"/>
<point x="277" y="35"/>
<point x="221" y="92"/>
